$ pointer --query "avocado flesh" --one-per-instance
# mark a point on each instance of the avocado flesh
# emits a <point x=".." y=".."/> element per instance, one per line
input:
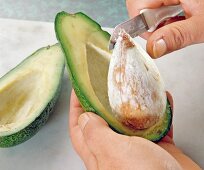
<point x="85" y="46"/>
<point x="28" y="94"/>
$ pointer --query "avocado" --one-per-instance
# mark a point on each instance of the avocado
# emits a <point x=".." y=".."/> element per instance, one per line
<point x="85" y="46"/>
<point x="28" y="94"/>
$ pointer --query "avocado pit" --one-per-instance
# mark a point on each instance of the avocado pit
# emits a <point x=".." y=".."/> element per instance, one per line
<point x="135" y="88"/>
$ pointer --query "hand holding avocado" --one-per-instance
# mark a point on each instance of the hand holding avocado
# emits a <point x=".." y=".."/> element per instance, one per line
<point x="102" y="148"/>
<point x="125" y="90"/>
<point x="175" y="35"/>
<point x="85" y="46"/>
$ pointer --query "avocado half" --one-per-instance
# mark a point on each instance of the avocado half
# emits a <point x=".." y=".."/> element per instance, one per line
<point x="28" y="94"/>
<point x="85" y="46"/>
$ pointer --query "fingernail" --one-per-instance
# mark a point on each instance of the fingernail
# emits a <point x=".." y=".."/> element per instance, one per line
<point x="159" y="48"/>
<point x="83" y="119"/>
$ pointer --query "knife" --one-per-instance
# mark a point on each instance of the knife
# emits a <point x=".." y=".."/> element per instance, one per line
<point x="147" y="20"/>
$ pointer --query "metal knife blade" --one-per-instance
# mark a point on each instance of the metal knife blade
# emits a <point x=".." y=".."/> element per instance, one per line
<point x="133" y="27"/>
<point x="148" y="20"/>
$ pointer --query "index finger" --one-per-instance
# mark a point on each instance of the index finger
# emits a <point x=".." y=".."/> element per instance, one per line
<point x="75" y="110"/>
<point x="135" y="6"/>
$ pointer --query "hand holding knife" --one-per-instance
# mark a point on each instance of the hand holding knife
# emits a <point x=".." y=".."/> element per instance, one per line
<point x="148" y="20"/>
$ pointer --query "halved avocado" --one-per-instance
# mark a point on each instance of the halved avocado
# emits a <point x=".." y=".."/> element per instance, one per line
<point x="85" y="46"/>
<point x="28" y="94"/>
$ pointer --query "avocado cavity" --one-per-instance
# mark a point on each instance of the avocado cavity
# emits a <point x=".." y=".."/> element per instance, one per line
<point x="28" y="95"/>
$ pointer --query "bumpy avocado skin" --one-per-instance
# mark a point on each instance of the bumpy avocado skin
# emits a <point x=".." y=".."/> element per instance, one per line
<point x="29" y="131"/>
<point x="34" y="127"/>
<point x="87" y="106"/>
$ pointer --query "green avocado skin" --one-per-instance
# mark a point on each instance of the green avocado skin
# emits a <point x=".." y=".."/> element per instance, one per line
<point x="169" y="119"/>
<point x="29" y="131"/>
<point x="33" y="128"/>
<point x="58" y="19"/>
<point x="87" y="106"/>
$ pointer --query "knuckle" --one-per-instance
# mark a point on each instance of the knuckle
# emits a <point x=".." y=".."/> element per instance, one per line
<point x="178" y="37"/>
<point x="170" y="2"/>
<point x="90" y="132"/>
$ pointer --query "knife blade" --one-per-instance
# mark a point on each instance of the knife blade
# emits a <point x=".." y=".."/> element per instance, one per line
<point x="133" y="27"/>
<point x="147" y="20"/>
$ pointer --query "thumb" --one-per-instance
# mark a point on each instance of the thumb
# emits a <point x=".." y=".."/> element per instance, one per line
<point x="96" y="132"/>
<point x="175" y="36"/>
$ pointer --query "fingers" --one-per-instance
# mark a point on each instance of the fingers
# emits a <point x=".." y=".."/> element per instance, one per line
<point x="96" y="132"/>
<point x="175" y="36"/>
<point x="82" y="149"/>
<point x="74" y="100"/>
<point x="75" y="110"/>
<point x="169" y="137"/>
<point x="135" y="6"/>
<point x="76" y="134"/>
<point x="170" y="98"/>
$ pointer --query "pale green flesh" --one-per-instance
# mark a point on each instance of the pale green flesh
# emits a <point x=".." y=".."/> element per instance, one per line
<point x="85" y="46"/>
<point x="26" y="90"/>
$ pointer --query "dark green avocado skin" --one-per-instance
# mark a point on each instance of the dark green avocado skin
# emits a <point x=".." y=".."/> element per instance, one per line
<point x="170" y="117"/>
<point x="33" y="128"/>
<point x="30" y="130"/>
<point x="86" y="104"/>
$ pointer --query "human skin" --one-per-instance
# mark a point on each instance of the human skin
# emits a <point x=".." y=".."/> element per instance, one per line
<point x="175" y="35"/>
<point x="101" y="148"/>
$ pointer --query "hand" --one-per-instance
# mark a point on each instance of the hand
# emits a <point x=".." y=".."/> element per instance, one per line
<point x="102" y="148"/>
<point x="176" y="35"/>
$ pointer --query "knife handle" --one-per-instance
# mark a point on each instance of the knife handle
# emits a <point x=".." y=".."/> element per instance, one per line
<point x="154" y="17"/>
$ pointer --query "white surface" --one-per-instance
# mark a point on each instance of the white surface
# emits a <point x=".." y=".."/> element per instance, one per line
<point x="51" y="147"/>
